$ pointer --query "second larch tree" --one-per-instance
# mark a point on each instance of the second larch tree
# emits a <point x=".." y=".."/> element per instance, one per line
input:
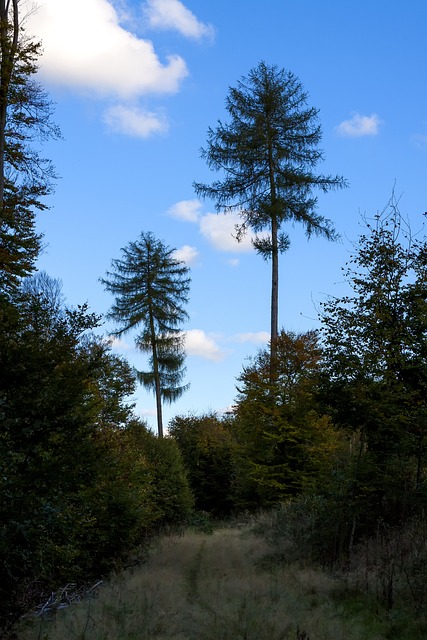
<point x="151" y="289"/>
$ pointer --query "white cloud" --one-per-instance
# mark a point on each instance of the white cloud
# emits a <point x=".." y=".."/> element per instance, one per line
<point x="86" y="48"/>
<point x="123" y="10"/>
<point x="186" y="254"/>
<point x="148" y="413"/>
<point x="358" y="126"/>
<point x="188" y="210"/>
<point x="134" y="121"/>
<point x="173" y="15"/>
<point x="220" y="231"/>
<point x="258" y="337"/>
<point x="119" y="345"/>
<point x="198" y="343"/>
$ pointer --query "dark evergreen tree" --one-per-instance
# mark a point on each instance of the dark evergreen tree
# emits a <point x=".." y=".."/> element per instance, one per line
<point x="151" y="288"/>
<point x="25" y="121"/>
<point x="268" y="153"/>
<point x="47" y="421"/>
<point x="81" y="479"/>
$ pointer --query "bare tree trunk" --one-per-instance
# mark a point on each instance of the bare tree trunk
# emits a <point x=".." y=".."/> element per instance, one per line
<point x="159" y="405"/>
<point x="274" y="263"/>
<point x="156" y="379"/>
<point x="274" y="298"/>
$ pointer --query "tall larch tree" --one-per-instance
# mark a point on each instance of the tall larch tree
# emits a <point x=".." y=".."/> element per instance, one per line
<point x="268" y="153"/>
<point x="151" y="289"/>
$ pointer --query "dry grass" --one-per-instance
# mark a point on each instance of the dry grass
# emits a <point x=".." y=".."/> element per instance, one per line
<point x="209" y="587"/>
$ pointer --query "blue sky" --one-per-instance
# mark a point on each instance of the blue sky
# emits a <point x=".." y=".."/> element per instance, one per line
<point x="136" y="86"/>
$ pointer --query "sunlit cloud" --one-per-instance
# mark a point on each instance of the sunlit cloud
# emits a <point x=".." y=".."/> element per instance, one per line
<point x="258" y="337"/>
<point x="148" y="413"/>
<point x="220" y="231"/>
<point x="198" y="343"/>
<point x="187" y="210"/>
<point x="86" y="48"/>
<point x="118" y="344"/>
<point x="126" y="14"/>
<point x="92" y="47"/>
<point x="358" y="126"/>
<point x="173" y="15"/>
<point x="186" y="254"/>
<point x="228" y="409"/>
<point x="135" y="122"/>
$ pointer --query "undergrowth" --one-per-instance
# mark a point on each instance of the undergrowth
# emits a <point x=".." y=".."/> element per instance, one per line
<point x="224" y="585"/>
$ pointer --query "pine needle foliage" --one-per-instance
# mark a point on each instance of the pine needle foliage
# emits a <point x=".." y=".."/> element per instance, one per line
<point x="26" y="177"/>
<point x="268" y="152"/>
<point x="151" y="289"/>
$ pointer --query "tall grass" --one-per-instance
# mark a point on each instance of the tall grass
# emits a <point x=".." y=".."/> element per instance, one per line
<point x="224" y="586"/>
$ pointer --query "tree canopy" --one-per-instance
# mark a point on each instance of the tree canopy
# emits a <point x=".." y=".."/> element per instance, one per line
<point x="268" y="152"/>
<point x="375" y="348"/>
<point x="284" y="439"/>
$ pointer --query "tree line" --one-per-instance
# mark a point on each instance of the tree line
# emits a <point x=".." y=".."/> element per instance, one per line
<point x="337" y="415"/>
<point x="345" y="415"/>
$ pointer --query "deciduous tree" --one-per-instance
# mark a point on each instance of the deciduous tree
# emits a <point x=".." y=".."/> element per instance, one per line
<point x="208" y="448"/>
<point x="375" y="348"/>
<point x="284" y="439"/>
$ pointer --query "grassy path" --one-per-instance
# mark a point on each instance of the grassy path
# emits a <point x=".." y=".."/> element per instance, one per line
<point x="211" y="587"/>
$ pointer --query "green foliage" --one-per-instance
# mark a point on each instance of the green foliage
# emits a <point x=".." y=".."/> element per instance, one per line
<point x="201" y="521"/>
<point x="25" y="176"/>
<point x="285" y="442"/>
<point x="169" y="489"/>
<point x="140" y="484"/>
<point x="268" y="153"/>
<point x="81" y="480"/>
<point x="208" y="449"/>
<point x="47" y="420"/>
<point x="167" y="364"/>
<point x="375" y="373"/>
<point x="151" y="288"/>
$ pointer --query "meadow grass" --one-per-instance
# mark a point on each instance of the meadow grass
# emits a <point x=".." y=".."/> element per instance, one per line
<point x="223" y="586"/>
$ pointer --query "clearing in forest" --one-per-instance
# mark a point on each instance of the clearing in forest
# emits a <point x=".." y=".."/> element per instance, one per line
<point x="221" y="586"/>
